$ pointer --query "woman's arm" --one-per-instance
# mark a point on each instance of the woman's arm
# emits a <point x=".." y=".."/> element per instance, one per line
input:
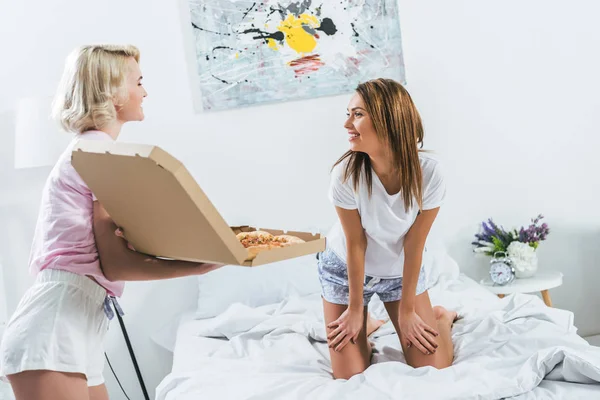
<point x="348" y="326"/>
<point x="413" y="331"/>
<point x="356" y="245"/>
<point x="121" y="264"/>
<point x="414" y="243"/>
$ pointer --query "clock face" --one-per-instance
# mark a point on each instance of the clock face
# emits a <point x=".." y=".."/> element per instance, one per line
<point x="501" y="273"/>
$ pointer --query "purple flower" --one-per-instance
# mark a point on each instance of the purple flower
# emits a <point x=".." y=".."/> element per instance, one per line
<point x="493" y="235"/>
<point x="534" y="233"/>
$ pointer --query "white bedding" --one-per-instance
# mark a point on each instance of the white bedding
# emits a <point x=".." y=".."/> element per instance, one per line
<point x="514" y="347"/>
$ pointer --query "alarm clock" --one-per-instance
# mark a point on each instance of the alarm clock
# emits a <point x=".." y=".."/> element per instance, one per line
<point x="501" y="269"/>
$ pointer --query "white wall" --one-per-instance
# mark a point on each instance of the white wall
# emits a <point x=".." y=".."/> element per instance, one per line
<point x="3" y="313"/>
<point x="508" y="92"/>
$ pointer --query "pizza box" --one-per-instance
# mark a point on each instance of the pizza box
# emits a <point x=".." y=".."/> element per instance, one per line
<point x="162" y="209"/>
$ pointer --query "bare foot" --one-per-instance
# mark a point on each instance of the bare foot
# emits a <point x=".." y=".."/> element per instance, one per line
<point x="444" y="315"/>
<point x="373" y="324"/>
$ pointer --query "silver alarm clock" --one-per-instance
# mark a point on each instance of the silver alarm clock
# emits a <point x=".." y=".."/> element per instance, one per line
<point x="501" y="269"/>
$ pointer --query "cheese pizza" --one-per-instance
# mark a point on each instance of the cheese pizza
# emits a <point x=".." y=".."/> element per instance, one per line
<point x="257" y="241"/>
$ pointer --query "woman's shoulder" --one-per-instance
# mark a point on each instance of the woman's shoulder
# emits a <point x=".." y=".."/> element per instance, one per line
<point x="429" y="161"/>
<point x="428" y="156"/>
<point x="339" y="169"/>
<point x="431" y="167"/>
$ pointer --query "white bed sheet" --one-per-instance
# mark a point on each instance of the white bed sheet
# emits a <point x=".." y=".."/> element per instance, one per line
<point x="504" y="348"/>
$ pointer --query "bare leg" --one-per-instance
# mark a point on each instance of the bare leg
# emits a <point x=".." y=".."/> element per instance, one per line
<point x="98" y="392"/>
<point x="439" y="318"/>
<point x="354" y="357"/>
<point x="445" y="319"/>
<point x="49" y="385"/>
<point x="373" y="324"/>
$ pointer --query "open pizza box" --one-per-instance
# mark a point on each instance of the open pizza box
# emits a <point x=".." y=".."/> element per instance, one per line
<point x="164" y="212"/>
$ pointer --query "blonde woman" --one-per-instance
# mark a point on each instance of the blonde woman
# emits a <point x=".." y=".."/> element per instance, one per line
<point x="387" y="195"/>
<point x="52" y="346"/>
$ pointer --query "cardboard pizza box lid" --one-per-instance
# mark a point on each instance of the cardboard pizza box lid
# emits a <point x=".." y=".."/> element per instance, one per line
<point x="162" y="209"/>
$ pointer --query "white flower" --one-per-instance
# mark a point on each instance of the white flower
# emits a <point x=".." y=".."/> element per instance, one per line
<point x="524" y="259"/>
<point x="521" y="251"/>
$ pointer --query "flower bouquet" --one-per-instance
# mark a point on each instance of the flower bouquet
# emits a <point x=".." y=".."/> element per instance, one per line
<point x="520" y="245"/>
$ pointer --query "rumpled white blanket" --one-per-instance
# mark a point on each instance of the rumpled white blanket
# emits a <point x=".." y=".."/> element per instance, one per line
<point x="512" y="347"/>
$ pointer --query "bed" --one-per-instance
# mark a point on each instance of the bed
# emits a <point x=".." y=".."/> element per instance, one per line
<point x="266" y="340"/>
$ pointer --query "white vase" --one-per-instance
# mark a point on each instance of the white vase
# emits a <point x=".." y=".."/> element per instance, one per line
<point x="525" y="268"/>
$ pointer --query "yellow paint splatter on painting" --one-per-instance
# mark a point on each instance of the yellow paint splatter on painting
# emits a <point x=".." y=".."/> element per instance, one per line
<point x="295" y="36"/>
<point x="237" y="55"/>
<point x="272" y="43"/>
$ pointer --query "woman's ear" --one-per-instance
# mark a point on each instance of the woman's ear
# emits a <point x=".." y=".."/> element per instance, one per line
<point x="117" y="103"/>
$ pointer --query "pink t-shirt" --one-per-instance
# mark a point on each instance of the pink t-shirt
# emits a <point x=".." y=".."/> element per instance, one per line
<point x="64" y="234"/>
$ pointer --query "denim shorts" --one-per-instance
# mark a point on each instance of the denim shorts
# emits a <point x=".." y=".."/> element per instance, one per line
<point x="333" y="274"/>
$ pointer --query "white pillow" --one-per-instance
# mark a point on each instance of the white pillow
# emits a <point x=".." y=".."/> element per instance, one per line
<point x="256" y="286"/>
<point x="439" y="264"/>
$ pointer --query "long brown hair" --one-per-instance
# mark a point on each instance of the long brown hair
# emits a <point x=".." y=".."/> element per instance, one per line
<point x="397" y="124"/>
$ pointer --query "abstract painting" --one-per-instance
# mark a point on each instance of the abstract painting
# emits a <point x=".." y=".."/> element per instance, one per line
<point x="257" y="52"/>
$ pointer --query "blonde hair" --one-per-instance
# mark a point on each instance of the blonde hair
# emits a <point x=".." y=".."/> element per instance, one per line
<point x="397" y="124"/>
<point x="93" y="79"/>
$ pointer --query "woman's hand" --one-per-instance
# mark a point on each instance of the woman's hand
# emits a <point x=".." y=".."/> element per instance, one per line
<point x="345" y="329"/>
<point x="417" y="333"/>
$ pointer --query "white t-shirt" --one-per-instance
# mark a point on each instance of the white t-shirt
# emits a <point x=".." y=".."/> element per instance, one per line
<point x="383" y="217"/>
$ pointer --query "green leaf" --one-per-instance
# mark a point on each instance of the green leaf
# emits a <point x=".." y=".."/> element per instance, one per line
<point x="499" y="245"/>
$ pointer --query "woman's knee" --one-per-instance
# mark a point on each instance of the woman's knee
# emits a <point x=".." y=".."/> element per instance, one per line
<point x="349" y="371"/>
<point x="437" y="361"/>
<point x="356" y="360"/>
<point x="441" y="363"/>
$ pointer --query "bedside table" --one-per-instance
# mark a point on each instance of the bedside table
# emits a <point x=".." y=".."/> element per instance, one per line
<point x="540" y="282"/>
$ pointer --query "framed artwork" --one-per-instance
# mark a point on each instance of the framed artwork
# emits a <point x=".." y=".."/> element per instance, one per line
<point x="256" y="52"/>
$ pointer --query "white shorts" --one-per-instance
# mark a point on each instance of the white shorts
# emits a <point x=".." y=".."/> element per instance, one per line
<point x="59" y="325"/>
